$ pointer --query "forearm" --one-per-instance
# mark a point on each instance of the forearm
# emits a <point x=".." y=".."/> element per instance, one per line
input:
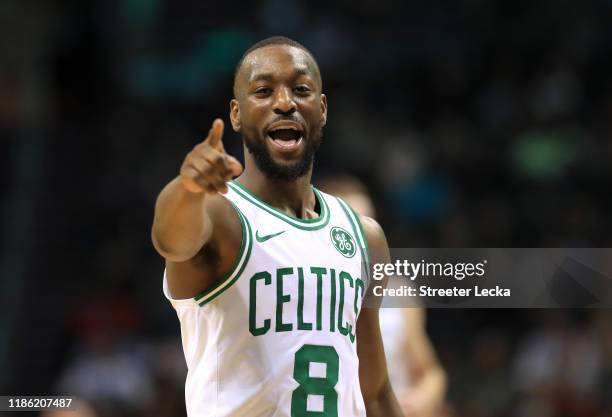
<point x="384" y="404"/>
<point x="181" y="225"/>
<point x="432" y="386"/>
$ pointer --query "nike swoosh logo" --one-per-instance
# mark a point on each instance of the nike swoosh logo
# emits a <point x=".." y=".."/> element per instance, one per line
<point x="262" y="239"/>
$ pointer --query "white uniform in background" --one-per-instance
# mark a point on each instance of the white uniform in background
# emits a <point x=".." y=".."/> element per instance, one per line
<point x="276" y="337"/>
<point x="393" y="330"/>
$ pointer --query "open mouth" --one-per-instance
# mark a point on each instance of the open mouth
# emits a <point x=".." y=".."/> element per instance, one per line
<point x="286" y="138"/>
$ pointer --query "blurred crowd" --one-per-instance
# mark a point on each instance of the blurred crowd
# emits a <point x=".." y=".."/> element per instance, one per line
<point x="474" y="123"/>
<point x="549" y="363"/>
<point x="552" y="363"/>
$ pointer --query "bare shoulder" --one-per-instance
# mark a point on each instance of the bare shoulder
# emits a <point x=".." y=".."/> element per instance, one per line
<point x="374" y="234"/>
<point x="227" y="225"/>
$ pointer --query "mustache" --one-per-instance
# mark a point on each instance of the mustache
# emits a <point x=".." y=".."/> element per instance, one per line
<point x="287" y="118"/>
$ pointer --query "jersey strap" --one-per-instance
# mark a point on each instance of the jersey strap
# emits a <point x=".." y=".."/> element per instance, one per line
<point x="362" y="242"/>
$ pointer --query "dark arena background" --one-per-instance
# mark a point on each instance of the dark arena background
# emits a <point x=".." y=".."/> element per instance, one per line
<point x="473" y="123"/>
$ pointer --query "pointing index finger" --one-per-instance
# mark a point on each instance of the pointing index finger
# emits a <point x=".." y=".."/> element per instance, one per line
<point x="216" y="132"/>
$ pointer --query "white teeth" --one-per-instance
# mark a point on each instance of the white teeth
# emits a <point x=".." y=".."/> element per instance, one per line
<point x="285" y="143"/>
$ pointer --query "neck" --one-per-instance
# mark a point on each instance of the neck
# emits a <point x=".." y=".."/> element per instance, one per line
<point x="293" y="197"/>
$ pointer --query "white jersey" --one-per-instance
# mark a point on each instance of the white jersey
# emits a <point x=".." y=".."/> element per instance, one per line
<point x="276" y="336"/>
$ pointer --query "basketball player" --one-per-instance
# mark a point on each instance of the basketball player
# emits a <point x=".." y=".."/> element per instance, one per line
<point x="265" y="272"/>
<point x="416" y="375"/>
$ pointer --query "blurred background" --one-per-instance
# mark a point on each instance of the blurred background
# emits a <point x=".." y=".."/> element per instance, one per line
<point x="474" y="123"/>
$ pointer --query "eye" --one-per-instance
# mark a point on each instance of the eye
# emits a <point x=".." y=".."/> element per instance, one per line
<point x="302" y="89"/>
<point x="263" y="91"/>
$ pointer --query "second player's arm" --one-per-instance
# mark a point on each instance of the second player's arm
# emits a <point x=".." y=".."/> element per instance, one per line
<point x="425" y="397"/>
<point x="377" y="393"/>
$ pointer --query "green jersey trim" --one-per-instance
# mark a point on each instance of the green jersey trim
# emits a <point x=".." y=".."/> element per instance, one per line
<point x="363" y="236"/>
<point x="304" y="224"/>
<point x="358" y="230"/>
<point x="241" y="261"/>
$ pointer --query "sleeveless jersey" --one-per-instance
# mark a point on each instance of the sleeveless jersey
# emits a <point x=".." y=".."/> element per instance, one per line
<point x="276" y="336"/>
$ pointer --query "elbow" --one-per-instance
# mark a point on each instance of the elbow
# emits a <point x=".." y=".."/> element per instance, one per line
<point x="434" y="381"/>
<point x="170" y="252"/>
<point x="443" y="380"/>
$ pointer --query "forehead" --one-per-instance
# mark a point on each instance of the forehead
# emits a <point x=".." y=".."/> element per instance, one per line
<point x="277" y="61"/>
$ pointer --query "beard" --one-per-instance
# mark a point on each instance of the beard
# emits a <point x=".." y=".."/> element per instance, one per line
<point x="284" y="172"/>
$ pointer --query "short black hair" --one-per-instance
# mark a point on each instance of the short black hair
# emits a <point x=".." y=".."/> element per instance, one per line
<point x="276" y="40"/>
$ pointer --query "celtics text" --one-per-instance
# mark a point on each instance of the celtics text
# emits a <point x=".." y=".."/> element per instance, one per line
<point x="307" y="298"/>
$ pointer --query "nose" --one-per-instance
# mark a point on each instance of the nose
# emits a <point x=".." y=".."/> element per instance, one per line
<point x="284" y="103"/>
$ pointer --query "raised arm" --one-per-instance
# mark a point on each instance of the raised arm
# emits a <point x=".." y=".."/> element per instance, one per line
<point x="378" y="396"/>
<point x="192" y="221"/>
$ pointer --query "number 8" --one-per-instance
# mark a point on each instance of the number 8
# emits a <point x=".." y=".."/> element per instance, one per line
<point x="315" y="385"/>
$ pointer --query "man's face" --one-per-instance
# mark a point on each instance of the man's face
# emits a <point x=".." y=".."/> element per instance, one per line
<point x="279" y="109"/>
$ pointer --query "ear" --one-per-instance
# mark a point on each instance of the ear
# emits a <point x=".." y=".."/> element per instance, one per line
<point x="235" y="115"/>
<point x="323" y="109"/>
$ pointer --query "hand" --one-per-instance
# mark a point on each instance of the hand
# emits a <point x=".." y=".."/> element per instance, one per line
<point x="207" y="167"/>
